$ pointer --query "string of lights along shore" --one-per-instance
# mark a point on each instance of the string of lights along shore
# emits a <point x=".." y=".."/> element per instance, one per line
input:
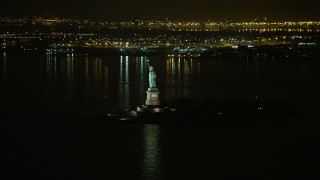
<point x="55" y="33"/>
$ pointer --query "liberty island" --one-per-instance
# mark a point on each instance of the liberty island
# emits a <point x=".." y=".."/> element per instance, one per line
<point x="152" y="110"/>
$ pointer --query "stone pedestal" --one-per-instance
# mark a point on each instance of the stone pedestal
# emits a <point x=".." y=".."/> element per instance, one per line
<point x="152" y="97"/>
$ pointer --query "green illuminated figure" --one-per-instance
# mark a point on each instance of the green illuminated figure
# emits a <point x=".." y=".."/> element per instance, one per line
<point x="152" y="76"/>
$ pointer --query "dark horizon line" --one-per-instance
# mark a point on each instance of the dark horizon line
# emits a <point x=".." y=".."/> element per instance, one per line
<point x="258" y="19"/>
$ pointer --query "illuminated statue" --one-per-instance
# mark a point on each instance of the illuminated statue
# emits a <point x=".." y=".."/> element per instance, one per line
<point x="152" y="92"/>
<point x="152" y="77"/>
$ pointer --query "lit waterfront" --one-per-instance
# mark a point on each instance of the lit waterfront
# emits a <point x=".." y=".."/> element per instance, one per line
<point x="143" y="36"/>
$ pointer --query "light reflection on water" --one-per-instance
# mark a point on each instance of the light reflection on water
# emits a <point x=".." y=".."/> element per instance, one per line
<point x="4" y="67"/>
<point x="153" y="161"/>
<point x="77" y="78"/>
<point x="141" y="74"/>
<point x="121" y="81"/>
<point x="124" y="89"/>
<point x="179" y="73"/>
<point x="124" y="77"/>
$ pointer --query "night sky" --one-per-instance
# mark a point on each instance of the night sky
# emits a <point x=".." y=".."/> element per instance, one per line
<point x="162" y="9"/>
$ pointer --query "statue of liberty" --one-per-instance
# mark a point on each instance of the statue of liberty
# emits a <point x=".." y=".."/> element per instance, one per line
<point x="152" y="93"/>
<point x="152" y="77"/>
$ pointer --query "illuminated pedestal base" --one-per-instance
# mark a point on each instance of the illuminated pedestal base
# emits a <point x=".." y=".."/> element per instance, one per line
<point x="152" y="111"/>
<point x="152" y="97"/>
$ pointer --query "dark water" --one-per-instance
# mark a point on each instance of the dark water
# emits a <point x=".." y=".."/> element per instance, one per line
<point x="51" y="109"/>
